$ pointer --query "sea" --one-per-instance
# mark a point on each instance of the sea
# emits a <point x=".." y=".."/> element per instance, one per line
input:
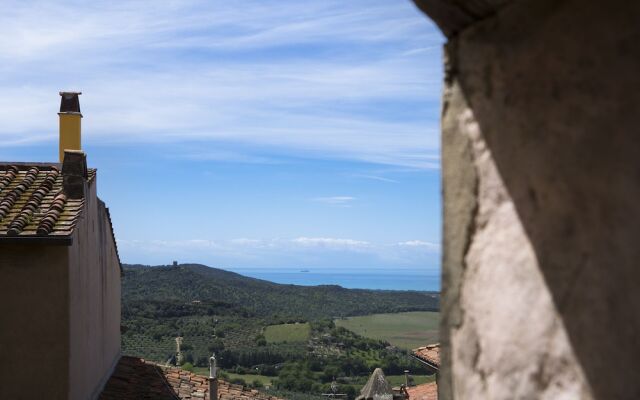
<point x="400" y="279"/>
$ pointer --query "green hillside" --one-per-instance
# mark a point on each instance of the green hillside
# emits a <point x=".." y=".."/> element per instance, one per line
<point x="284" y="334"/>
<point x="228" y="292"/>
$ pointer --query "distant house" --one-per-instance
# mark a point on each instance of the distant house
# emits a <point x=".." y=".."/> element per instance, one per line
<point x="430" y="356"/>
<point x="60" y="313"/>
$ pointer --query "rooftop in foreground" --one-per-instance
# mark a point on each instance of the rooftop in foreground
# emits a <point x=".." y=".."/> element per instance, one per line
<point x="426" y="391"/>
<point x="34" y="205"/>
<point x="137" y="379"/>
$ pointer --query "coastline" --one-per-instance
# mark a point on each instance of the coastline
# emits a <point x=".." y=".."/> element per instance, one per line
<point x="399" y="279"/>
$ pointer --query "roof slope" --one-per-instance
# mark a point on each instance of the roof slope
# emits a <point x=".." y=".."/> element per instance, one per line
<point x="430" y="354"/>
<point x="33" y="204"/>
<point x="135" y="378"/>
<point x="426" y="391"/>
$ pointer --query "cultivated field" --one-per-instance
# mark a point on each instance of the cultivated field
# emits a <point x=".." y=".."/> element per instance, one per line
<point x="406" y="330"/>
<point x="298" y="332"/>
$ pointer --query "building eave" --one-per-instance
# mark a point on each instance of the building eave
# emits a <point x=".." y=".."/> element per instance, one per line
<point x="45" y="240"/>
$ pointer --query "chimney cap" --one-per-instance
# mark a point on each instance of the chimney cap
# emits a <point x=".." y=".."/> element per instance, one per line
<point x="69" y="102"/>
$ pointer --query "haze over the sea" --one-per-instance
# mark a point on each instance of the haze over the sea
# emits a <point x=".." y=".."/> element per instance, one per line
<point x="352" y="278"/>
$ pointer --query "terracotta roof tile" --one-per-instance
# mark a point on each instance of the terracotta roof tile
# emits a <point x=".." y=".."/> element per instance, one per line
<point x="429" y="354"/>
<point x="426" y="391"/>
<point x="33" y="204"/>
<point x="135" y="378"/>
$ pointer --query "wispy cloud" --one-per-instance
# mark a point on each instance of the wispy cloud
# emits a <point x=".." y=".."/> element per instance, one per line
<point x="343" y="201"/>
<point x="286" y="77"/>
<point x="375" y="178"/>
<point x="228" y="156"/>
<point x="332" y="243"/>
<point x="420" y="244"/>
<point x="299" y="251"/>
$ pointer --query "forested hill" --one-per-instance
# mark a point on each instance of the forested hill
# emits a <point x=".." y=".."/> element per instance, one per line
<point x="223" y="290"/>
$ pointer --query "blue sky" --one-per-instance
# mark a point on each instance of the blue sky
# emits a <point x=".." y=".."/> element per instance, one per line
<point x="263" y="134"/>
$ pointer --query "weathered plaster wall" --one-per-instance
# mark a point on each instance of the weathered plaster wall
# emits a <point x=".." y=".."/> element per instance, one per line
<point x="34" y="332"/>
<point x="507" y="339"/>
<point x="541" y="169"/>
<point x="94" y="281"/>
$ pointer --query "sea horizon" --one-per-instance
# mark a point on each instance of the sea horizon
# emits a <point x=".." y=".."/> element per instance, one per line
<point x="355" y="278"/>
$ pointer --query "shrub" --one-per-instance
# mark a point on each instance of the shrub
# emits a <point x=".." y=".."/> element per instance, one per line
<point x="187" y="367"/>
<point x="261" y="340"/>
<point x="257" y="384"/>
<point x="238" y="381"/>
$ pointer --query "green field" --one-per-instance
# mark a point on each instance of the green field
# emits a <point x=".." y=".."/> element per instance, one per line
<point x="298" y="332"/>
<point x="406" y="330"/>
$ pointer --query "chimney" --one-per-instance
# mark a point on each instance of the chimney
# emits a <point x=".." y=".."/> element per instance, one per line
<point x="213" y="378"/>
<point x="70" y="122"/>
<point x="74" y="173"/>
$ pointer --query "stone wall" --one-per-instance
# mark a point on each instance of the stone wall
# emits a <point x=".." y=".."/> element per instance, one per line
<point x="94" y="303"/>
<point x="541" y="176"/>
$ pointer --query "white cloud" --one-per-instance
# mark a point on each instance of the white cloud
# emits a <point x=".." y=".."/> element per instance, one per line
<point x="299" y="79"/>
<point x="374" y="178"/>
<point x="420" y="244"/>
<point x="344" y="201"/>
<point x="282" y="252"/>
<point x="331" y="243"/>
<point x="169" y="245"/>
<point x="245" y="241"/>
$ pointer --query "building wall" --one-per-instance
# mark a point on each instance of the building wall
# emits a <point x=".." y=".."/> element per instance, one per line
<point x="34" y="314"/>
<point x="94" y="281"/>
<point x="541" y="172"/>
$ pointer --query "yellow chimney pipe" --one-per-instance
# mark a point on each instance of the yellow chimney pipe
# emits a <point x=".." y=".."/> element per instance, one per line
<point x="70" y="122"/>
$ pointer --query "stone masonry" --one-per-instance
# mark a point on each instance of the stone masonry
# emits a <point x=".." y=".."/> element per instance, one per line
<point x="541" y="172"/>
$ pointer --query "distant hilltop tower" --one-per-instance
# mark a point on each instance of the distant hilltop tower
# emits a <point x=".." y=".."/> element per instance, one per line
<point x="175" y="263"/>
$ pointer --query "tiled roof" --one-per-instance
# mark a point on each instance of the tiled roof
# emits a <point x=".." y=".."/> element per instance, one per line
<point x="426" y="391"/>
<point x="429" y="354"/>
<point x="33" y="204"/>
<point x="135" y="378"/>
